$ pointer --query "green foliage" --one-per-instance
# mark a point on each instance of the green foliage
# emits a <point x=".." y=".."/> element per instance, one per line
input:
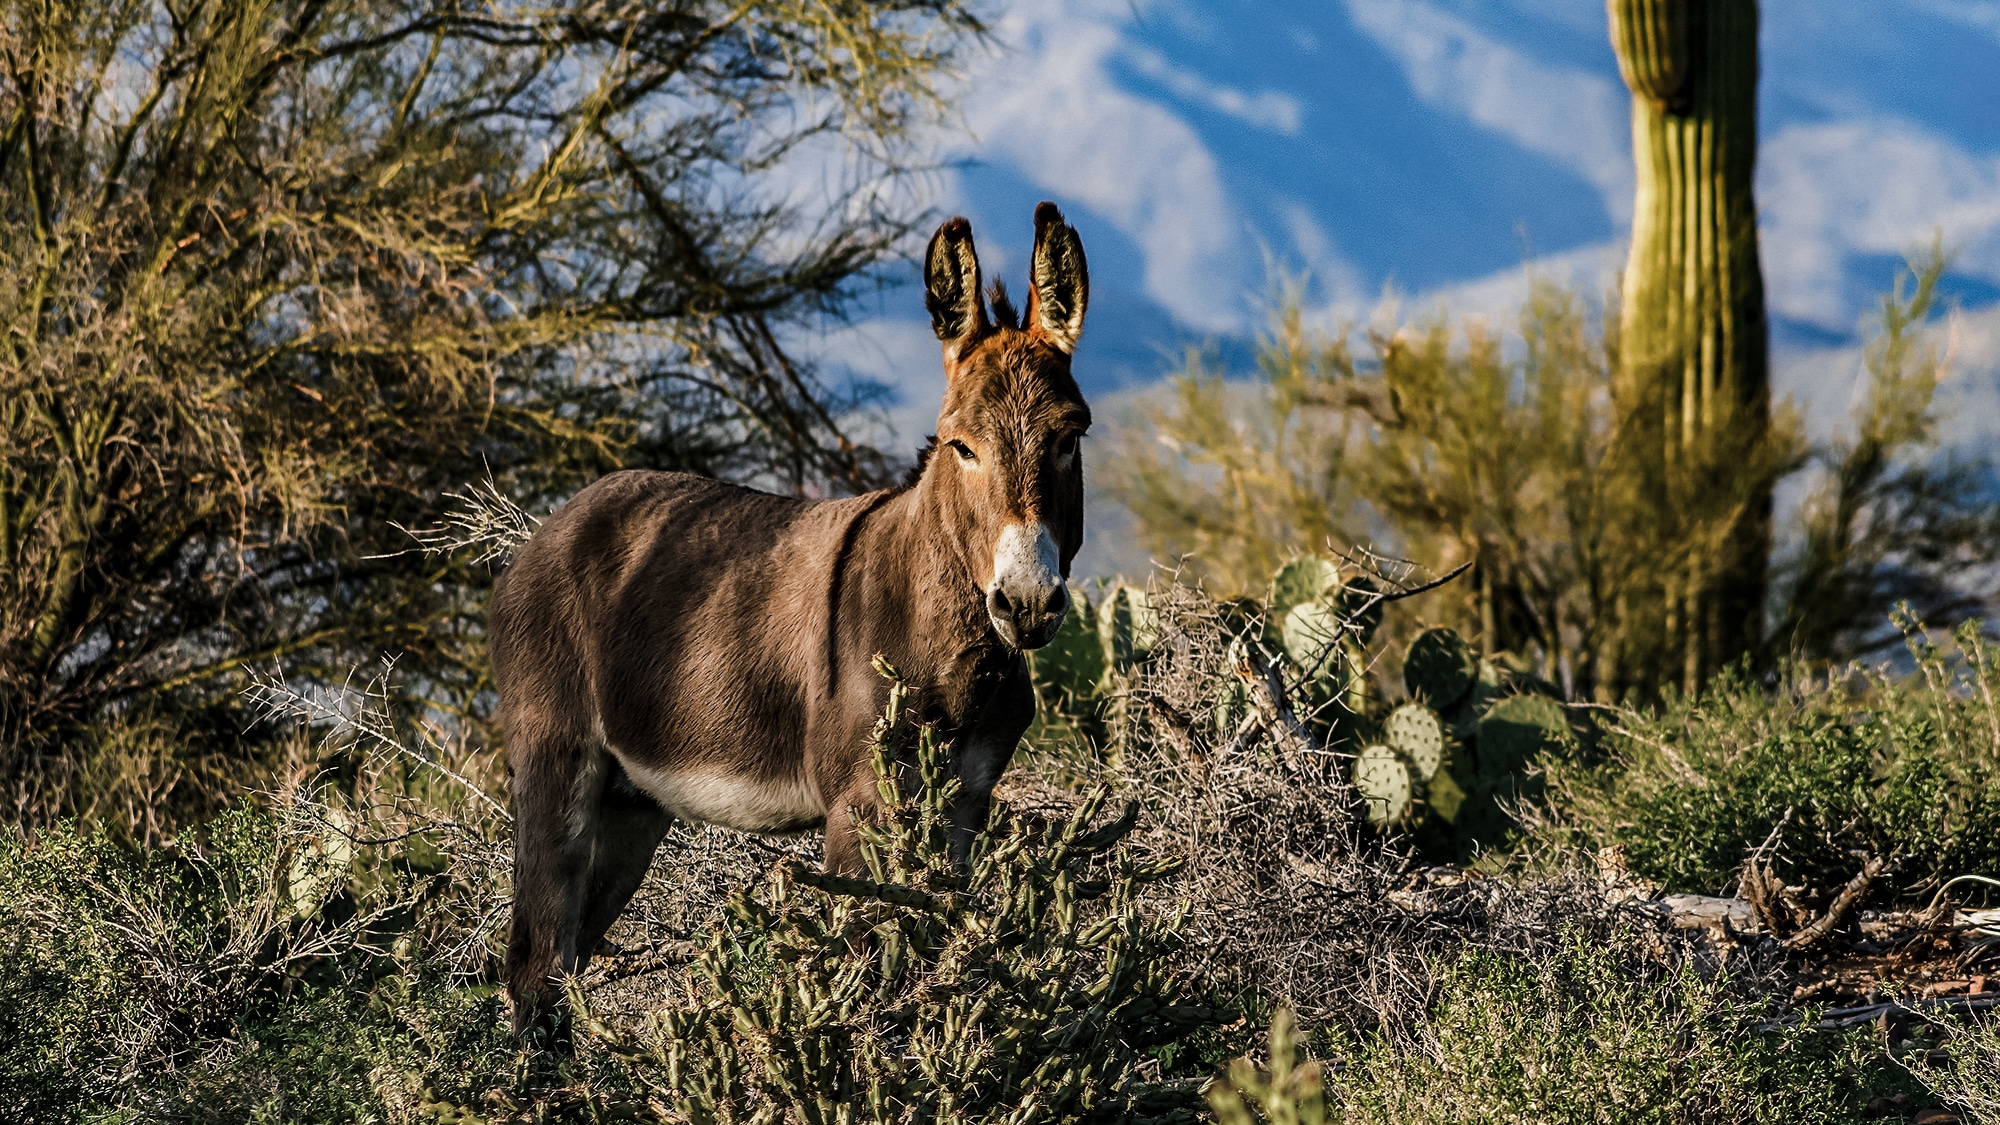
<point x="1255" y="478"/>
<point x="1969" y="1076"/>
<point x="1580" y="1037"/>
<point x="1901" y="770"/>
<point x="274" y="275"/>
<point x="232" y="978"/>
<point x="1443" y="445"/>
<point x="1023" y="984"/>
<point x="1887" y="514"/>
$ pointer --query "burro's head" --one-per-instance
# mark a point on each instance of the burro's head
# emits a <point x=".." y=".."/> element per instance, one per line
<point x="1007" y="467"/>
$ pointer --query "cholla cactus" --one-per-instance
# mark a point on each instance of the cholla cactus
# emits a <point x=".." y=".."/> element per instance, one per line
<point x="1020" y="986"/>
<point x="1288" y="1093"/>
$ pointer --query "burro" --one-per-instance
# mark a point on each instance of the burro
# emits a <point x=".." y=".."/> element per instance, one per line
<point x="667" y="646"/>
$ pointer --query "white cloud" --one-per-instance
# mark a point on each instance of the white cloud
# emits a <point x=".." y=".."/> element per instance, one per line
<point x="1981" y="14"/>
<point x="1831" y="192"/>
<point x="1048" y="106"/>
<point x="1266" y="109"/>
<point x="1574" y="117"/>
<point x="1498" y="297"/>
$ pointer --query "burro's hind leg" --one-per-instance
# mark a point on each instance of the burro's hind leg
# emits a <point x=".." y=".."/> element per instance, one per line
<point x="630" y="826"/>
<point x="558" y="783"/>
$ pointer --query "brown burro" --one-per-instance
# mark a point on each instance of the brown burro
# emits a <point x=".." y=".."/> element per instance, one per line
<point x="670" y="647"/>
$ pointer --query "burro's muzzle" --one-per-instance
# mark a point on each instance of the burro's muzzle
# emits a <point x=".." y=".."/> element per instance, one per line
<point x="1026" y="598"/>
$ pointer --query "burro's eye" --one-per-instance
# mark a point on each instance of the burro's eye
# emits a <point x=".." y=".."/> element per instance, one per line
<point x="1066" y="446"/>
<point x="964" y="451"/>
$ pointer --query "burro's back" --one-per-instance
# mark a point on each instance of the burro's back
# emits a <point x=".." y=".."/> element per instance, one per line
<point x="667" y="646"/>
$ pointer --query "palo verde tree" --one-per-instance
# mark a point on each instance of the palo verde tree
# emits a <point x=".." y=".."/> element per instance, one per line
<point x="274" y="273"/>
<point x="1694" y="458"/>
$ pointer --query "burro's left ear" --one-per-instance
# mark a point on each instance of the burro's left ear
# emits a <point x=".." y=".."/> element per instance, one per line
<point x="1060" y="280"/>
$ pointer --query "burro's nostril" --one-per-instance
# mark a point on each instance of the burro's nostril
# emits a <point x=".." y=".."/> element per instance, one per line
<point x="1059" y="600"/>
<point x="998" y="603"/>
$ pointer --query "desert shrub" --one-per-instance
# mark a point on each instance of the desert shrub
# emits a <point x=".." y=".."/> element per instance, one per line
<point x="1583" y="1035"/>
<point x="123" y="964"/>
<point x="1292" y="899"/>
<point x="1968" y="1077"/>
<point x="1808" y="774"/>
<point x="291" y="959"/>
<point x="1025" y="983"/>
<point x="1449" y="441"/>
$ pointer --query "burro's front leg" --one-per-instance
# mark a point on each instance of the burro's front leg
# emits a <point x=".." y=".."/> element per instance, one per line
<point x="857" y="802"/>
<point x="980" y="753"/>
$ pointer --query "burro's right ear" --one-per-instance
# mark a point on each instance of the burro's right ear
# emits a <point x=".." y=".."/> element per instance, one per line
<point x="951" y="287"/>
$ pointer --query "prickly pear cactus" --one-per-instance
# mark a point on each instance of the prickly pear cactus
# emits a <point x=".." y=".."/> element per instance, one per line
<point x="1383" y="780"/>
<point x="1310" y="630"/>
<point x="1440" y="668"/>
<point x="1415" y="732"/>
<point x="1493" y="719"/>
<point x="1445" y="795"/>
<point x="1308" y="578"/>
<point x="1514" y="731"/>
<point x="1359" y="605"/>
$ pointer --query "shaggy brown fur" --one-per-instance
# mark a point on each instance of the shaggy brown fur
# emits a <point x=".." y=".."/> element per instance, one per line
<point x="670" y="646"/>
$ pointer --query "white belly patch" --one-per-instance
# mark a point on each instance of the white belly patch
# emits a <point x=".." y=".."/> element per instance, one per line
<point x="746" y="804"/>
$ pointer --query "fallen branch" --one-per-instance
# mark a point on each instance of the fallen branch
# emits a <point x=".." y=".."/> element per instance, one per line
<point x="1843" y="907"/>
<point x="1707" y="912"/>
<point x="1840" y="1019"/>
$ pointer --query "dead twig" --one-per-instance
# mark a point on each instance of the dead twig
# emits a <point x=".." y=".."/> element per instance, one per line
<point x="1843" y="906"/>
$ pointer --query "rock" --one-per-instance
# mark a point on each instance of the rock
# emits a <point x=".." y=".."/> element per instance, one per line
<point x="1887" y="1107"/>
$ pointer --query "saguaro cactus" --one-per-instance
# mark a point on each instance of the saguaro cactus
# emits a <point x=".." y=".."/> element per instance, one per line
<point x="1692" y="392"/>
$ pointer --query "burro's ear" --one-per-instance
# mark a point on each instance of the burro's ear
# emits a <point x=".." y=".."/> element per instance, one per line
<point x="1060" y="280"/>
<point x="951" y="286"/>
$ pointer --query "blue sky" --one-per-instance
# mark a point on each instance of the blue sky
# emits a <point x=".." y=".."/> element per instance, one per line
<point x="1438" y="147"/>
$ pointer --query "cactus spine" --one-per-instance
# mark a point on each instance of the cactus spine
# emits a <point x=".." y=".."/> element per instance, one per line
<point x="1692" y="392"/>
